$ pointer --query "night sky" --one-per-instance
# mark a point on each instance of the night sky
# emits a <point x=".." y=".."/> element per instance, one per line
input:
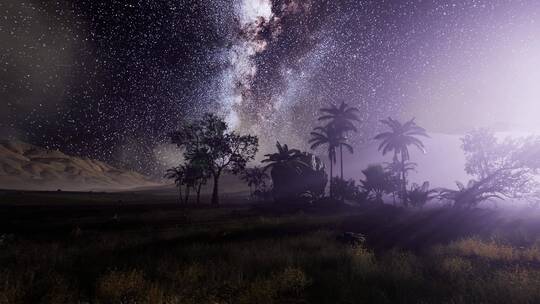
<point x="109" y="79"/>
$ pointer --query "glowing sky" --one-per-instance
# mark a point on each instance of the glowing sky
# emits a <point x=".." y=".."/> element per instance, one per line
<point x="108" y="79"/>
<point x="490" y="75"/>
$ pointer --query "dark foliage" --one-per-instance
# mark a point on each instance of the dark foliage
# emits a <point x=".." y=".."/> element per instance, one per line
<point x="332" y="138"/>
<point x="398" y="139"/>
<point x="470" y="195"/>
<point x="352" y="239"/>
<point x="342" y="119"/>
<point x="377" y="182"/>
<point x="177" y="174"/>
<point x="502" y="169"/>
<point x="256" y="179"/>
<point x="295" y="174"/>
<point x="419" y="195"/>
<point x="348" y="190"/>
<point x="207" y="141"/>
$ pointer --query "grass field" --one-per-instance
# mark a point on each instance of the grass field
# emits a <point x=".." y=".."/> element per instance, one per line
<point x="142" y="247"/>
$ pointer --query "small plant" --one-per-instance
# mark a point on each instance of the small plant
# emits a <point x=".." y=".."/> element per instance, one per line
<point x="419" y="195"/>
<point x="346" y="190"/>
<point x="377" y="182"/>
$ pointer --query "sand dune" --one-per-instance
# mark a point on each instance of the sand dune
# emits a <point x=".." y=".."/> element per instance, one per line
<point x="25" y="166"/>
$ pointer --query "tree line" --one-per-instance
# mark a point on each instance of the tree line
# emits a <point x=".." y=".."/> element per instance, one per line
<point x="500" y="168"/>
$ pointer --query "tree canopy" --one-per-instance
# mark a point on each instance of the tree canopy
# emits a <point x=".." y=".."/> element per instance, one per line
<point x="502" y="168"/>
<point x="210" y="144"/>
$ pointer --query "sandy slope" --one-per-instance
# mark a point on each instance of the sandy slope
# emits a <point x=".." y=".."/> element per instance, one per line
<point x="24" y="166"/>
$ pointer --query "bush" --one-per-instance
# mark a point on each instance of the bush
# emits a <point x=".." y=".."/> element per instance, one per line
<point x="419" y="195"/>
<point x="347" y="190"/>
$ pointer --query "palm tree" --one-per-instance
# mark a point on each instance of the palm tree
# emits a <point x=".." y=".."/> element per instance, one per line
<point x="398" y="140"/>
<point x="332" y="138"/>
<point x="394" y="169"/>
<point x="177" y="174"/>
<point x="342" y="118"/>
<point x="284" y="156"/>
<point x="286" y="165"/>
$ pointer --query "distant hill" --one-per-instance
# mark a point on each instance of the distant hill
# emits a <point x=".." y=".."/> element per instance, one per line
<point x="25" y="166"/>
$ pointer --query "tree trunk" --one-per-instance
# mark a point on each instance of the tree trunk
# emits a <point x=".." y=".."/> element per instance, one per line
<point x="331" y="173"/>
<point x="180" y="194"/>
<point x="199" y="193"/>
<point x="403" y="181"/>
<point x="378" y="198"/>
<point x="215" y="194"/>
<point x="341" y="159"/>
<point x="187" y="195"/>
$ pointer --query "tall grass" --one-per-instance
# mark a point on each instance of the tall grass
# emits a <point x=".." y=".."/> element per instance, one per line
<point x="293" y="259"/>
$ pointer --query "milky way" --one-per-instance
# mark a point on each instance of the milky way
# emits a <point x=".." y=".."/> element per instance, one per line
<point x="109" y="79"/>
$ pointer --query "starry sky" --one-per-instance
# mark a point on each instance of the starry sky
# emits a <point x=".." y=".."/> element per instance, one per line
<point x="109" y="79"/>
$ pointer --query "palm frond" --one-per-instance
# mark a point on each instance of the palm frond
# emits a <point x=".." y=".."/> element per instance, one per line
<point x="349" y="147"/>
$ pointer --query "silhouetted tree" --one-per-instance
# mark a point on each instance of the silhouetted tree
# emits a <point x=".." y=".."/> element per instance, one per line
<point x="284" y="164"/>
<point x="341" y="118"/>
<point x="284" y="157"/>
<point x="177" y="174"/>
<point x="470" y="195"/>
<point x="332" y="138"/>
<point x="394" y="169"/>
<point x="196" y="176"/>
<point x="377" y="182"/>
<point x="255" y="178"/>
<point x="502" y="168"/>
<point x="398" y="140"/>
<point x="295" y="174"/>
<point x="208" y="141"/>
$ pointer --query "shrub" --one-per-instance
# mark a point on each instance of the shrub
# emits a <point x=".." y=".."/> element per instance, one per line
<point x="347" y="190"/>
<point x="419" y="195"/>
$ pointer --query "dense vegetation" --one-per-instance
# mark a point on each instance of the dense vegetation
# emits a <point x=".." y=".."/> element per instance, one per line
<point x="500" y="169"/>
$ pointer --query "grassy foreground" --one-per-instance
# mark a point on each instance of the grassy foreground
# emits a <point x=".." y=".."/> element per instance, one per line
<point x="244" y="255"/>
